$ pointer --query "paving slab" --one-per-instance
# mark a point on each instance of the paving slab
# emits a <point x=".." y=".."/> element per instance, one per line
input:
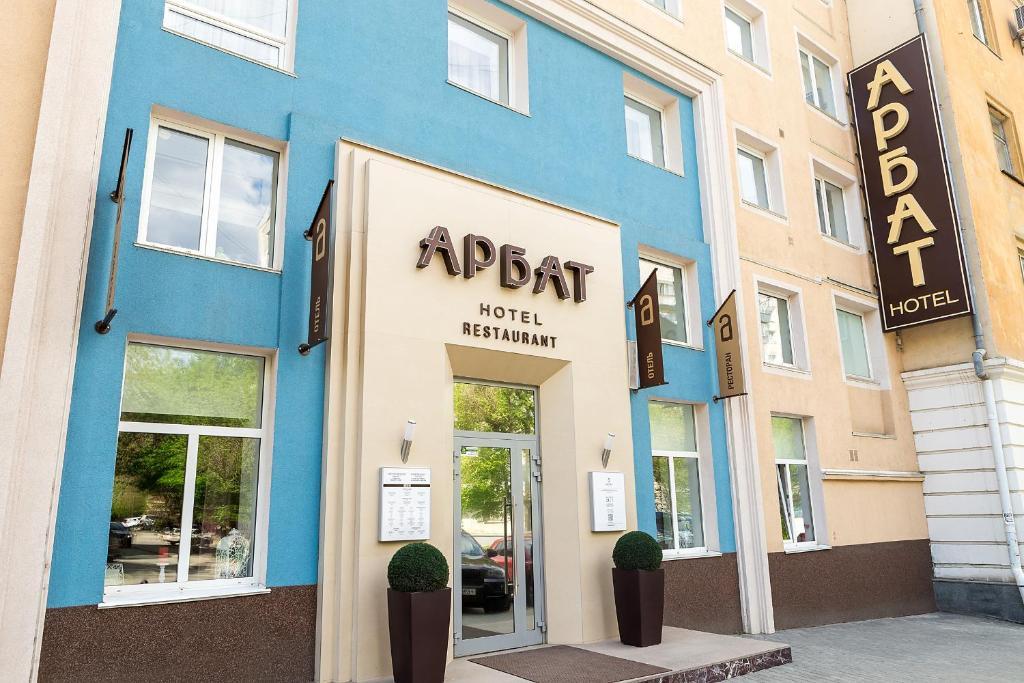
<point x="929" y="647"/>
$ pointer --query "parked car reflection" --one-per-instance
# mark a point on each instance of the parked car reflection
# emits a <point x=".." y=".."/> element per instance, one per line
<point x="483" y="580"/>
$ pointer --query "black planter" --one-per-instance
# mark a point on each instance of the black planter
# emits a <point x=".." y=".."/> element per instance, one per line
<point x="639" y="605"/>
<point x="418" y="623"/>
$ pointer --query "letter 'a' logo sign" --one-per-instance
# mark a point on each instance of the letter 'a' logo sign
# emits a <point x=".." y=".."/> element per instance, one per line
<point x="731" y="380"/>
<point x="914" y="229"/>
<point x="648" y="333"/>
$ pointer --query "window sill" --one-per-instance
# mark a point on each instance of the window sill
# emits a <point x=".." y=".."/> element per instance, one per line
<point x="987" y="47"/>
<point x="751" y="63"/>
<point x="835" y="242"/>
<point x="682" y="345"/>
<point x="202" y="257"/>
<point x="464" y="89"/>
<point x="797" y="548"/>
<point x="786" y="370"/>
<point x="780" y="217"/>
<point x="172" y="595"/>
<point x="651" y="163"/>
<point x="831" y="117"/>
<point x="1012" y="177"/>
<point x="278" y="69"/>
<point x="690" y="554"/>
<point x="863" y="382"/>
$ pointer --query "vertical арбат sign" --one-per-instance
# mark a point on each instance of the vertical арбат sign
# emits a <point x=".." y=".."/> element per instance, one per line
<point x="914" y="230"/>
<point x="648" y="333"/>
<point x="320" y="233"/>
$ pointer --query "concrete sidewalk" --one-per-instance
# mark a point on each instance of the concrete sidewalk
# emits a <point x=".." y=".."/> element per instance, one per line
<point x="930" y="647"/>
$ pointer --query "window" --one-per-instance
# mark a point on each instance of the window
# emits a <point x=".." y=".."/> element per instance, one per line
<point x="753" y="178"/>
<point x="644" y="139"/>
<point x="1004" y="146"/>
<point x="259" y="30"/>
<point x="478" y="59"/>
<point x="974" y="8"/>
<point x="739" y="35"/>
<point x="671" y="299"/>
<point x="187" y="485"/>
<point x="831" y="210"/>
<point x="653" y="129"/>
<point x="818" y="88"/>
<point x="672" y="7"/>
<point x="853" y="339"/>
<point x="776" y="330"/>
<point x="211" y="194"/>
<point x="793" y="480"/>
<point x="676" y="461"/>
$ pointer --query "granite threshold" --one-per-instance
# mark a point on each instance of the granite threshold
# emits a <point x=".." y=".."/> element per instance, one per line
<point x="688" y="657"/>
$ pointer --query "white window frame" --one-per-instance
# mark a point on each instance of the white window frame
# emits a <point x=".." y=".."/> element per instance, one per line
<point x="755" y="16"/>
<point x="768" y="151"/>
<point x="673" y="8"/>
<point x="806" y="46"/>
<point x="979" y="21"/>
<point x="691" y="293"/>
<point x="181" y="591"/>
<point x="874" y="340"/>
<point x="801" y="365"/>
<point x="1009" y="139"/>
<point x="814" y="481"/>
<point x="285" y="44"/>
<point x="706" y="473"/>
<point x="635" y="88"/>
<point x="215" y="134"/>
<point x="851" y="203"/>
<point x="513" y="29"/>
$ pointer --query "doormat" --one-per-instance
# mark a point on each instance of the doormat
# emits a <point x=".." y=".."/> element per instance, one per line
<point x="564" y="664"/>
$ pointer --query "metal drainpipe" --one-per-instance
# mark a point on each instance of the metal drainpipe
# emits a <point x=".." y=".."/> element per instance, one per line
<point x="991" y="414"/>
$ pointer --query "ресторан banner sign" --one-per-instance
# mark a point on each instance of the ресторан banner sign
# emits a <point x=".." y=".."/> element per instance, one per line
<point x="914" y="229"/>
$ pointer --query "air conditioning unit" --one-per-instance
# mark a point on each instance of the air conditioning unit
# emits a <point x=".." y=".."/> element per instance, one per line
<point x="1018" y="14"/>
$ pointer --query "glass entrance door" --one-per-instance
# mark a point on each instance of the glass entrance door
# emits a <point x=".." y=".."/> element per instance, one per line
<point x="498" y="555"/>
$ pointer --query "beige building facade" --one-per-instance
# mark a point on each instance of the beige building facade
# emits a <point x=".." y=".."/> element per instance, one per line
<point x="964" y="376"/>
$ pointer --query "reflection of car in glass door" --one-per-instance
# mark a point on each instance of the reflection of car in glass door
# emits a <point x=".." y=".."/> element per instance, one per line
<point x="504" y="557"/>
<point x="483" y="581"/>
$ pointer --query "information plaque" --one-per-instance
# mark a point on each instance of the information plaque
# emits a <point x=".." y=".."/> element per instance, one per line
<point x="607" y="501"/>
<point x="404" y="504"/>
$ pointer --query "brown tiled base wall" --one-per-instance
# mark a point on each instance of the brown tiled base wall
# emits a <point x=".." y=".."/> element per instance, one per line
<point x="268" y="637"/>
<point x="851" y="583"/>
<point x="703" y="594"/>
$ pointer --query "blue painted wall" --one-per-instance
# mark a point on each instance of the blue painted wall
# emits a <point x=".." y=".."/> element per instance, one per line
<point x="375" y="72"/>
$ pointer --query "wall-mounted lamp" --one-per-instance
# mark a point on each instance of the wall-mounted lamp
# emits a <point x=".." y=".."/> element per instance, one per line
<point x="609" y="441"/>
<point x="410" y="432"/>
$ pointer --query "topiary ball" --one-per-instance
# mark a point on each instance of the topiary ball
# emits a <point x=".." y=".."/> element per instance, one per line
<point x="416" y="568"/>
<point x="637" y="550"/>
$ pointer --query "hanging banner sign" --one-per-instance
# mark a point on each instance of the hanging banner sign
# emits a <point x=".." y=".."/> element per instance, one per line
<point x="648" y="333"/>
<point x="731" y="380"/>
<point x="915" y="234"/>
<point x="320" y="233"/>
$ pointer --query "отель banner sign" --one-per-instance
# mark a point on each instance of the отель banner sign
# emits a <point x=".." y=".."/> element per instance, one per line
<point x="914" y="230"/>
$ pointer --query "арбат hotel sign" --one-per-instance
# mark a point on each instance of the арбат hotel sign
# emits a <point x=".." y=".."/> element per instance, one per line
<point x="914" y="230"/>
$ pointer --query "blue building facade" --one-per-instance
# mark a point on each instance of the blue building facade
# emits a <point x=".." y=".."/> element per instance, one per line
<point x="378" y="73"/>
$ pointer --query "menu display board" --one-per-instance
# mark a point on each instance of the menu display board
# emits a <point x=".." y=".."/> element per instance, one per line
<point x="404" y="504"/>
<point x="607" y="501"/>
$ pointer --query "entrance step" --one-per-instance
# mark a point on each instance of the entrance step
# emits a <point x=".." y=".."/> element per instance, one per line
<point x="684" y="656"/>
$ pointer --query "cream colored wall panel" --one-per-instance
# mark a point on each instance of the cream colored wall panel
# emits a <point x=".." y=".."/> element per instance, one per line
<point x="966" y="504"/>
<point x="951" y="416"/>
<point x="958" y="460"/>
<point x="951" y="439"/>
<point x="967" y="529"/>
<point x="993" y="554"/>
<point x="942" y="482"/>
<point x="974" y="573"/>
